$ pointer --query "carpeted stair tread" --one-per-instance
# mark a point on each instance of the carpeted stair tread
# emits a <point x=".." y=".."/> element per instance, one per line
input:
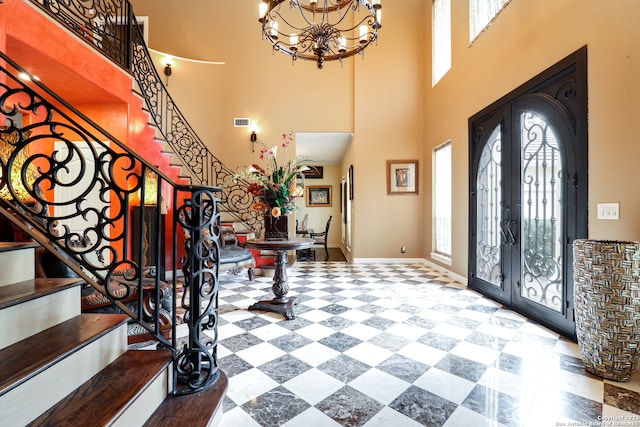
<point x="21" y="292"/>
<point x="102" y="399"/>
<point x="198" y="408"/>
<point x="27" y="358"/>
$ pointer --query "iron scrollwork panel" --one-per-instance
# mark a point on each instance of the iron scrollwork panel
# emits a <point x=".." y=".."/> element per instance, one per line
<point x="542" y="199"/>
<point x="490" y="234"/>
<point x="197" y="364"/>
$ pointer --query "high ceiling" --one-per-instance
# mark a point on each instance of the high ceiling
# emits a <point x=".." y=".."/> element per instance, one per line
<point x="323" y="148"/>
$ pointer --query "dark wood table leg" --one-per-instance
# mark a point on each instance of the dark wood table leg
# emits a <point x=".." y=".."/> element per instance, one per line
<point x="281" y="304"/>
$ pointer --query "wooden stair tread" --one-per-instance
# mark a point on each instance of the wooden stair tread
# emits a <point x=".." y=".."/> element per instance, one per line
<point x="12" y="246"/>
<point x="198" y="408"/>
<point x="25" y="359"/>
<point x="102" y="399"/>
<point x="21" y="292"/>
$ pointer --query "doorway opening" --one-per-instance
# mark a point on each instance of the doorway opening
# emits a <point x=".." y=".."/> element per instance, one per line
<point x="528" y="198"/>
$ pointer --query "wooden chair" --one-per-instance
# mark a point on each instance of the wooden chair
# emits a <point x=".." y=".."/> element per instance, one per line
<point x="321" y="239"/>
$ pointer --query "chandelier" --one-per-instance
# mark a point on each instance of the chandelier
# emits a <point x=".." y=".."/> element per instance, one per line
<point x="320" y="30"/>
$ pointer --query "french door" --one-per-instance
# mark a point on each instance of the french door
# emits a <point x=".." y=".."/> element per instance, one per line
<point x="528" y="199"/>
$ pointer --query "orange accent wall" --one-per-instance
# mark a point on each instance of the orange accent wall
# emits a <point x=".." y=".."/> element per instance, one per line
<point x="95" y="86"/>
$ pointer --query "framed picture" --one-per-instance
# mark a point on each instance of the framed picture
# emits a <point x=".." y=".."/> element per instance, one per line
<point x="318" y="195"/>
<point x="402" y="177"/>
<point x="351" y="182"/>
<point x="314" y="172"/>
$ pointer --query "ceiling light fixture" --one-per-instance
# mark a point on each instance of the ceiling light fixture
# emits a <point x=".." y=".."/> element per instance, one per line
<point x="321" y="30"/>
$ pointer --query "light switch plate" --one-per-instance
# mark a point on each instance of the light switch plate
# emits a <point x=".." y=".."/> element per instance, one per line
<point x="608" y="210"/>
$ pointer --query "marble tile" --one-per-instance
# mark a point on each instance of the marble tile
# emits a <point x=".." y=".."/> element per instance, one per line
<point x="462" y="367"/>
<point x="233" y="365"/>
<point x="249" y="385"/>
<point x="387" y="417"/>
<point x="389" y="341"/>
<point x="313" y="385"/>
<point x="260" y="353"/>
<point x="343" y="368"/>
<point x="314" y="353"/>
<point x="240" y="342"/>
<point x="379" y="385"/>
<point x="337" y="323"/>
<point x="622" y="398"/>
<point x="369" y="353"/>
<point x="424" y="407"/>
<point x="438" y="341"/>
<point x="275" y="407"/>
<point x="284" y="368"/>
<point x="349" y="407"/>
<point x="496" y="405"/>
<point x="404" y="368"/>
<point x="311" y="417"/>
<point x="340" y="341"/>
<point x="446" y="385"/>
<point x="315" y="332"/>
<point x="290" y="342"/>
<point x="394" y="345"/>
<point x="475" y="352"/>
<point x="422" y="353"/>
<point x="379" y="323"/>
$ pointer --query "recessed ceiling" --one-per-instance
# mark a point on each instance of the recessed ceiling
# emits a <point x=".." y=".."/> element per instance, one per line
<point x="323" y="148"/>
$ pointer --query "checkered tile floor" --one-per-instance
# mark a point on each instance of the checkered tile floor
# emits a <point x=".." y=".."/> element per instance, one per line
<point x="395" y="345"/>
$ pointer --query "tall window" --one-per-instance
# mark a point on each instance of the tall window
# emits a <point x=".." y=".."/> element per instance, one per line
<point x="442" y="199"/>
<point x="441" y="44"/>
<point x="481" y="13"/>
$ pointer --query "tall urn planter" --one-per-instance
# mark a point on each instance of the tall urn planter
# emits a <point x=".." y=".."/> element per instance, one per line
<point x="607" y="305"/>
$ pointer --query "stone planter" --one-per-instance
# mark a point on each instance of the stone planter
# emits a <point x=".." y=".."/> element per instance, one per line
<point x="607" y="305"/>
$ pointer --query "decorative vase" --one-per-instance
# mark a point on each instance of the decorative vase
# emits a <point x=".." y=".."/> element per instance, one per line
<point x="607" y="293"/>
<point x="276" y="227"/>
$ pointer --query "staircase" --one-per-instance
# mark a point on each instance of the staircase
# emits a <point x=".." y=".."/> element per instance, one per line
<point x="61" y="367"/>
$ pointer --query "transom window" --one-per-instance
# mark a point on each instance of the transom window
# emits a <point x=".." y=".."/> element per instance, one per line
<point x="481" y="13"/>
<point x="441" y="44"/>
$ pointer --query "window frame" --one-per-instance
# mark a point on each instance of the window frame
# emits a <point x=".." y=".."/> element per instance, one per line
<point x="438" y="253"/>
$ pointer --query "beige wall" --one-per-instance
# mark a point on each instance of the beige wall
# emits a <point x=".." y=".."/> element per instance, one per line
<point x="384" y="106"/>
<point x="525" y="39"/>
<point x="387" y="100"/>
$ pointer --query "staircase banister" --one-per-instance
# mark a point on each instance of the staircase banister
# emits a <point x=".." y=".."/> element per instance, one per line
<point x="67" y="105"/>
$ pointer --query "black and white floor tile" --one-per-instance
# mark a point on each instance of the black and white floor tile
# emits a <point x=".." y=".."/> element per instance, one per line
<point x="381" y="345"/>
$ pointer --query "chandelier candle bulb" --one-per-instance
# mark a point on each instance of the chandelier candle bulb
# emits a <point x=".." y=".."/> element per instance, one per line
<point x="343" y="44"/>
<point x="263" y="10"/>
<point x="379" y="18"/>
<point x="293" y="41"/>
<point x="363" y="33"/>
<point x="274" y="29"/>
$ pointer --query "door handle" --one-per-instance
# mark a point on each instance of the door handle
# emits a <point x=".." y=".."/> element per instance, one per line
<point x="504" y="236"/>
<point x="512" y="238"/>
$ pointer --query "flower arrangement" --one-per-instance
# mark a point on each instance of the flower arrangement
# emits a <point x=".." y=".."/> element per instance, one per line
<point x="274" y="188"/>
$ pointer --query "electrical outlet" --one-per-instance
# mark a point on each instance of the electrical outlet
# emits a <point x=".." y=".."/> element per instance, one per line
<point x="608" y="210"/>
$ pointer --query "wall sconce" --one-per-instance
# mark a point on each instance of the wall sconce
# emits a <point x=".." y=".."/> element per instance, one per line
<point x="254" y="136"/>
<point x="168" y="63"/>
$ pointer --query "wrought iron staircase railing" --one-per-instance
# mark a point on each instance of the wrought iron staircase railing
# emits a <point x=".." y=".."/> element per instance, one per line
<point x="72" y="187"/>
<point x="111" y="27"/>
